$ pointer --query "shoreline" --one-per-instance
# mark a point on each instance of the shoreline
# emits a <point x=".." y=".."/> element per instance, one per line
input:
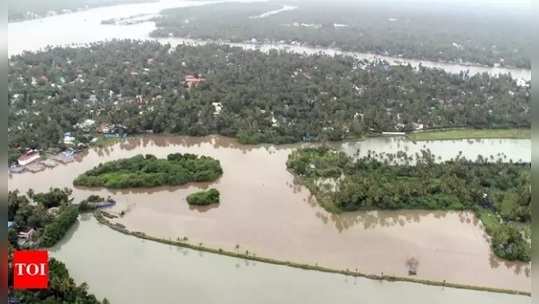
<point x="102" y="219"/>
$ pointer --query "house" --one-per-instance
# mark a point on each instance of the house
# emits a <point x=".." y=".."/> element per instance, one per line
<point x="29" y="157"/>
<point x="111" y="130"/>
<point x="53" y="210"/>
<point x="103" y="128"/>
<point x="85" y="125"/>
<point x="193" y="80"/>
<point x="418" y="126"/>
<point x="68" y="138"/>
<point x="25" y="238"/>
<point x="26" y="235"/>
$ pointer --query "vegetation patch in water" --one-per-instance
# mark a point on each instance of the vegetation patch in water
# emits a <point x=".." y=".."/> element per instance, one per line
<point x="202" y="198"/>
<point x="454" y="134"/>
<point x="499" y="193"/>
<point x="149" y="171"/>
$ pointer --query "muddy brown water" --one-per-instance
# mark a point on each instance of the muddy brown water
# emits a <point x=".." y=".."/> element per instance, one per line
<point x="128" y="270"/>
<point x="266" y="211"/>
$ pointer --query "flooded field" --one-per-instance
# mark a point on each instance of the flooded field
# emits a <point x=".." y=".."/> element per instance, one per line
<point x="264" y="210"/>
<point x="183" y="275"/>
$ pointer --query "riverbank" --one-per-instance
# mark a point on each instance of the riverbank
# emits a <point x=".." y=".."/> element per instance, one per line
<point x="252" y="256"/>
<point x="467" y="133"/>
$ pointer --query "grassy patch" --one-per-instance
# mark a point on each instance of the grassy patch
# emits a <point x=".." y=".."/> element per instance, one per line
<point x="470" y="134"/>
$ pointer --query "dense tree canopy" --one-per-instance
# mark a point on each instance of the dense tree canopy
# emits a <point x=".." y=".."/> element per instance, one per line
<point x="149" y="171"/>
<point x="50" y="215"/>
<point x="276" y="97"/>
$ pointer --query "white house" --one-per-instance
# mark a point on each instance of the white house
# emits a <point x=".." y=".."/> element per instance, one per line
<point x="28" y="157"/>
<point x="68" y="138"/>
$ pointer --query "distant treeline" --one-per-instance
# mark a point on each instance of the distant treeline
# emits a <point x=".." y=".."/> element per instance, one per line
<point x="477" y="34"/>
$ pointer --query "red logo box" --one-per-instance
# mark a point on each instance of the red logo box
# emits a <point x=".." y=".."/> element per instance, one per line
<point x="30" y="269"/>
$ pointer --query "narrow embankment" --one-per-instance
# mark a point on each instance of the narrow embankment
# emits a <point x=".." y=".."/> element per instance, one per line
<point x="103" y="218"/>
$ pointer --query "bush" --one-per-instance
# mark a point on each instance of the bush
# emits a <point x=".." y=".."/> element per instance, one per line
<point x="202" y="198"/>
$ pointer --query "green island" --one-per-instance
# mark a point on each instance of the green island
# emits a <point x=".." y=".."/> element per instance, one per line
<point x="149" y="171"/>
<point x="467" y="133"/>
<point x="203" y="198"/>
<point x="498" y="193"/>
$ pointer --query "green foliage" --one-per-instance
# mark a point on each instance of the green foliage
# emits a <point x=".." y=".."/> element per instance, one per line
<point x="508" y="243"/>
<point x="24" y="214"/>
<point x="57" y="229"/>
<point x="86" y="204"/>
<point x="62" y="289"/>
<point x="54" y="198"/>
<point x="300" y="98"/>
<point x="207" y="197"/>
<point x="399" y="181"/>
<point x="15" y="201"/>
<point x="149" y="171"/>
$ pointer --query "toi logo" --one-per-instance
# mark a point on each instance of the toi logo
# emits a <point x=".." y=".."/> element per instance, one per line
<point x="30" y="269"/>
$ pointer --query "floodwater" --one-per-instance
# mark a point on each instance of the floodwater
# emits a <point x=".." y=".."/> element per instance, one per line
<point x="265" y="210"/>
<point x="85" y="27"/>
<point x="144" y="272"/>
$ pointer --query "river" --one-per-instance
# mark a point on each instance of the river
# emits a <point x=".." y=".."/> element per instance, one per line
<point x="85" y="27"/>
<point x="265" y="210"/>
